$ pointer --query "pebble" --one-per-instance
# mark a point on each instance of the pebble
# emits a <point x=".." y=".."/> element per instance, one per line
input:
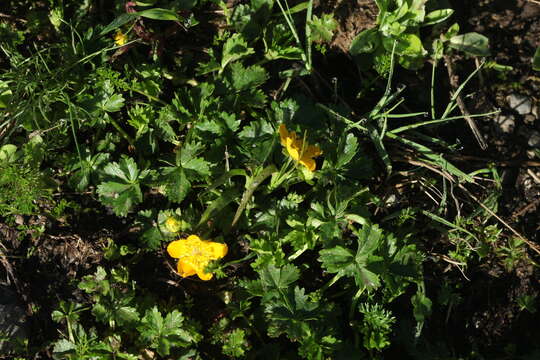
<point x="534" y="139"/>
<point x="507" y="123"/>
<point x="521" y="104"/>
<point x="529" y="119"/>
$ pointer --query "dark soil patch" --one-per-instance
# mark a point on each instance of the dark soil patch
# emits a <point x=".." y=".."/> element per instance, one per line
<point x="353" y="17"/>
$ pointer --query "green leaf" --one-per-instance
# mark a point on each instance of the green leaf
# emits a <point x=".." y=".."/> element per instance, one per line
<point x="279" y="278"/>
<point x="407" y="44"/>
<point x="118" y="22"/>
<point x="8" y="153"/>
<point x="471" y="43"/>
<point x="437" y="16"/>
<point x="126" y="315"/>
<point x="63" y="347"/>
<point x="164" y="334"/>
<point x="234" y="48"/>
<point x="159" y="14"/>
<point x="422" y="307"/>
<point x="122" y="191"/>
<point x="257" y="140"/>
<point x="113" y="103"/>
<point x="345" y="263"/>
<point x="177" y="179"/>
<point x="322" y="29"/>
<point x="346" y="150"/>
<point x="5" y="94"/>
<point x="247" y="78"/>
<point x="218" y="204"/>
<point x="251" y="186"/>
<point x="536" y="59"/>
<point x="176" y="183"/>
<point x="365" y="42"/>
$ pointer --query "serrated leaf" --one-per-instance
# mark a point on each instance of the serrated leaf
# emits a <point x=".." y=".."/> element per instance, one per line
<point x="113" y="103"/>
<point x="126" y="315"/>
<point x="176" y="183"/>
<point x="122" y="191"/>
<point x="162" y="334"/>
<point x="234" y="49"/>
<point x="250" y="77"/>
<point x="341" y="261"/>
<point x="257" y="140"/>
<point x="198" y="165"/>
<point x="63" y="347"/>
<point x="177" y="179"/>
<point x="322" y="29"/>
<point x="279" y="278"/>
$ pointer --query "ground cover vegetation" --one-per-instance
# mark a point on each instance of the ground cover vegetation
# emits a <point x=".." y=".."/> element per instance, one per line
<point x="208" y="179"/>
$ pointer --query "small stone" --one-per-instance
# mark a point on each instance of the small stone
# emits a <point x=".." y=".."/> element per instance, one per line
<point x="521" y="104"/>
<point x="529" y="119"/>
<point x="531" y="154"/>
<point x="507" y="123"/>
<point x="534" y="139"/>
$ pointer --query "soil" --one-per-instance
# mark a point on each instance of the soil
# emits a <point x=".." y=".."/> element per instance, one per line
<point x="353" y="17"/>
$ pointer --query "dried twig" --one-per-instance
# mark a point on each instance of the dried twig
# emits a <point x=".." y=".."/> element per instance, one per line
<point x="450" y="178"/>
<point x="525" y="240"/>
<point x="455" y="85"/>
<point x="534" y="176"/>
<point x="526" y="208"/>
<point x="503" y="163"/>
<point x="12" y="18"/>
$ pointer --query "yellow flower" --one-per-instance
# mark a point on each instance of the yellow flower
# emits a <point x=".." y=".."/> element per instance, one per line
<point x="120" y="38"/>
<point x="297" y="149"/>
<point x="173" y="225"/>
<point x="194" y="254"/>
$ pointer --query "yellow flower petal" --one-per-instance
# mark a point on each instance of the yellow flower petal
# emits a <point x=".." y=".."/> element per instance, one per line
<point x="193" y="238"/>
<point x="216" y="250"/>
<point x="298" y="149"/>
<point x="310" y="164"/>
<point x="194" y="255"/>
<point x="120" y="38"/>
<point x="204" y="276"/>
<point x="177" y="249"/>
<point x="185" y="269"/>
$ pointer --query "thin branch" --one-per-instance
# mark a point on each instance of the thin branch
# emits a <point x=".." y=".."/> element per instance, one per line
<point x="470" y="121"/>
